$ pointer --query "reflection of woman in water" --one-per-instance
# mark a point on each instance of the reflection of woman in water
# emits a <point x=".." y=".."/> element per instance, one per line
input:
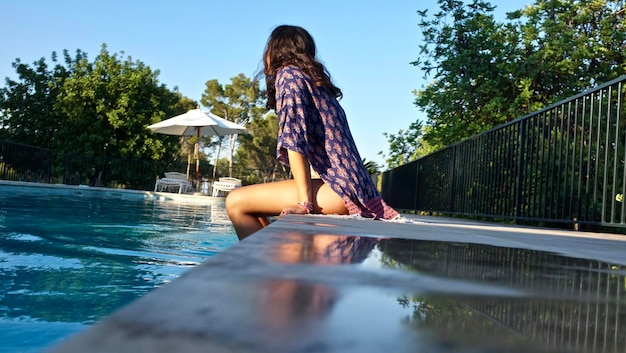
<point x="289" y="305"/>
<point x="324" y="249"/>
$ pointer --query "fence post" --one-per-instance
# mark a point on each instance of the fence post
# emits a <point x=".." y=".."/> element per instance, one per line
<point x="417" y="178"/>
<point x="452" y="177"/>
<point x="520" y="170"/>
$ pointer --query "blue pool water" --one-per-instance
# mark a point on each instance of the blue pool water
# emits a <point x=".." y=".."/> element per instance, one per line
<point x="68" y="261"/>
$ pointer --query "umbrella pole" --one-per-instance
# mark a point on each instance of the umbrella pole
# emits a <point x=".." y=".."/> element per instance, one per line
<point x="198" y="160"/>
<point x="217" y="155"/>
<point x="188" y="162"/>
<point x="197" y="168"/>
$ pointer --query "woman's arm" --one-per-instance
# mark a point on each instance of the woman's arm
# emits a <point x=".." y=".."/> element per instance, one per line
<point x="301" y="171"/>
<point x="300" y="168"/>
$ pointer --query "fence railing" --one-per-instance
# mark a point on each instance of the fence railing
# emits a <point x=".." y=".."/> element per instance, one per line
<point x="121" y="173"/>
<point x="25" y="163"/>
<point x="21" y="162"/>
<point x="563" y="164"/>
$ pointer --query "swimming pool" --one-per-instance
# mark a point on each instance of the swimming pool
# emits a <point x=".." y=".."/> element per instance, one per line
<point x="68" y="260"/>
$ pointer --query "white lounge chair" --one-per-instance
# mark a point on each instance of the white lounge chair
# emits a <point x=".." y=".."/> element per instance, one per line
<point x="224" y="185"/>
<point x="230" y="180"/>
<point x="173" y="181"/>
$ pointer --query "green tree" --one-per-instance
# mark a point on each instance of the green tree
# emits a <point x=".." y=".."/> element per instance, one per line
<point x="27" y="113"/>
<point x="221" y="166"/>
<point x="485" y="73"/>
<point x="256" y="152"/>
<point x="566" y="47"/>
<point x="371" y="166"/>
<point x="93" y="111"/>
<point x="107" y="106"/>
<point x="404" y="146"/>
<point x="188" y="143"/>
<point x="240" y="101"/>
<point x="466" y="52"/>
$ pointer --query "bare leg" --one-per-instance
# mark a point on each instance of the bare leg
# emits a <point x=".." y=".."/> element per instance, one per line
<point x="249" y="206"/>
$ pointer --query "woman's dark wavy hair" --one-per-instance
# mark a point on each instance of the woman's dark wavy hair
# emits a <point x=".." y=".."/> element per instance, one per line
<point x="293" y="45"/>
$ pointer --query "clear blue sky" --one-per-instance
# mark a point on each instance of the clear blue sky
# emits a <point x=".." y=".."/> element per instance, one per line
<point x="366" y="45"/>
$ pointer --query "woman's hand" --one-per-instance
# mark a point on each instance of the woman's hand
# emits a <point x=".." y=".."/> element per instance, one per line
<point x="292" y="209"/>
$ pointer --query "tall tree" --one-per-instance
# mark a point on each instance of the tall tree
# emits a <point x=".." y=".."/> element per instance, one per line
<point x="483" y="73"/>
<point x="256" y="152"/>
<point x="466" y="53"/>
<point x="404" y="146"/>
<point x="99" y="110"/>
<point x="240" y="101"/>
<point x="566" y="47"/>
<point x="110" y="102"/>
<point x="27" y="112"/>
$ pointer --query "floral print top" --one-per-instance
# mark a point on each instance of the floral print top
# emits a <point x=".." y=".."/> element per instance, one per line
<point x="312" y="123"/>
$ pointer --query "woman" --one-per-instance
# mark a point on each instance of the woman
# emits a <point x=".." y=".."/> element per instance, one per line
<point x="313" y="134"/>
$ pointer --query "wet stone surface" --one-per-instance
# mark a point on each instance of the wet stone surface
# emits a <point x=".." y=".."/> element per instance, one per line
<point x="323" y="284"/>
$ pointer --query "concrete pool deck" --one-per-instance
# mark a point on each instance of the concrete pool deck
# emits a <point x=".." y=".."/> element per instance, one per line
<point x="339" y="284"/>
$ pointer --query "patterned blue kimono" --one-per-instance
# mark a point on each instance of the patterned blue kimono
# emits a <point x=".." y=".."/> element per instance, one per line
<point x="312" y="123"/>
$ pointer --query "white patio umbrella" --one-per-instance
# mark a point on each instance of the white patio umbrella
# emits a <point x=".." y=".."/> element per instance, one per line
<point x="197" y="122"/>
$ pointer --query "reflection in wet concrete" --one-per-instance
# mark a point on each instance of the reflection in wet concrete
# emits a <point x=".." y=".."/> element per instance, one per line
<point x="308" y="290"/>
<point x="323" y="249"/>
<point x="287" y="310"/>
<point x="565" y="303"/>
<point x="571" y="304"/>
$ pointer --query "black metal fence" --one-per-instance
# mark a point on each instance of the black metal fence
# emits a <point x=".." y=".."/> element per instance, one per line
<point x="19" y="162"/>
<point x="136" y="174"/>
<point x="25" y="163"/>
<point x="562" y="164"/>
